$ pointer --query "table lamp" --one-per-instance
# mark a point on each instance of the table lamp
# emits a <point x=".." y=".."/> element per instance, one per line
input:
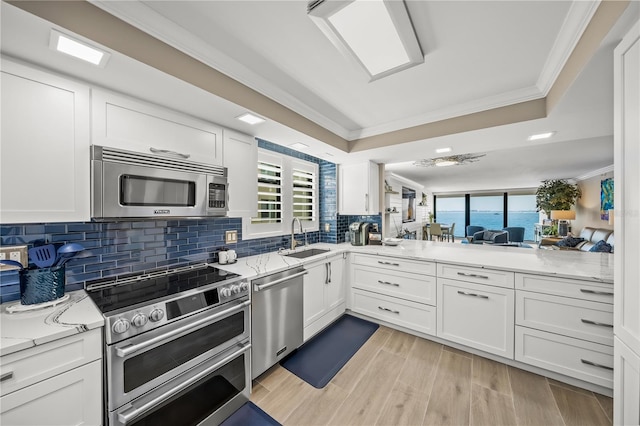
<point x="563" y="217"/>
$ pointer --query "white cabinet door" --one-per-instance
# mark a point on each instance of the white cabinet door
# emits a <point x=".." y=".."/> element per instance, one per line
<point x="44" y="150"/>
<point x="118" y="121"/>
<point x="479" y="316"/>
<point x="627" y="227"/>
<point x="335" y="288"/>
<point x="359" y="189"/>
<point x="626" y="385"/>
<point x="71" y="398"/>
<point x="240" y="155"/>
<point x="314" y="305"/>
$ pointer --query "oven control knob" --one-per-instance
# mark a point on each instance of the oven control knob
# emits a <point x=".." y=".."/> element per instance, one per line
<point x="235" y="289"/>
<point x="120" y="326"/>
<point x="225" y="292"/>
<point x="156" y="315"/>
<point x="139" y="320"/>
<point x="244" y="286"/>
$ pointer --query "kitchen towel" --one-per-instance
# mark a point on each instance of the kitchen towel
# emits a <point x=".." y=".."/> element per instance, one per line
<point x="249" y="415"/>
<point x="319" y="359"/>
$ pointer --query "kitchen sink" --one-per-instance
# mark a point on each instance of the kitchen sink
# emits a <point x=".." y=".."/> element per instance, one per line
<point x="307" y="253"/>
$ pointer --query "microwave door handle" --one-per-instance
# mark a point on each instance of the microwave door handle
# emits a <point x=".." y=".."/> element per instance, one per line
<point x="166" y="151"/>
<point x="133" y="413"/>
<point x="125" y="351"/>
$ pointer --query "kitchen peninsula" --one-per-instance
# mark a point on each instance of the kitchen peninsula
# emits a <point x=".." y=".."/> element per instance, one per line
<point x="546" y="312"/>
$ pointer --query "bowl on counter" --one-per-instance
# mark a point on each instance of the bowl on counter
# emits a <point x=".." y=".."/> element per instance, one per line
<point x="392" y="241"/>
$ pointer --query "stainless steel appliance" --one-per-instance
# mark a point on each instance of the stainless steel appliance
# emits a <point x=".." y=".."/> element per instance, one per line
<point x="359" y="233"/>
<point x="176" y="345"/>
<point x="276" y="320"/>
<point x="133" y="185"/>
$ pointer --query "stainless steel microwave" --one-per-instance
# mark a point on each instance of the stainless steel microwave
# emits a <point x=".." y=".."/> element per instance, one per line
<point x="133" y="185"/>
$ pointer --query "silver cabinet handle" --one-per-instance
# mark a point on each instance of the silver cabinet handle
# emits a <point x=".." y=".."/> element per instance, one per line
<point x="473" y="275"/>
<point x="482" y="296"/>
<point x="129" y="415"/>
<point x="6" y="376"/>
<point x="602" y="324"/>
<point x="260" y="287"/>
<point x="388" y="283"/>
<point x="595" y="364"/>
<point x="127" y="350"/>
<point x="388" y="263"/>
<point x="330" y="272"/>
<point x="326" y="273"/>
<point x="166" y="151"/>
<point x="604" y="293"/>
<point x="388" y="310"/>
<point x="366" y="202"/>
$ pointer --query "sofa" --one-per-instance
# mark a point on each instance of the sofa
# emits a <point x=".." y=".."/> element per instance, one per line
<point x="585" y="241"/>
<point x="490" y="236"/>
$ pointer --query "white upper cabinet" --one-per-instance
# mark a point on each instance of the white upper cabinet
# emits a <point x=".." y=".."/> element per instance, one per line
<point x="359" y="189"/>
<point x="118" y="121"/>
<point x="240" y="154"/>
<point x="44" y="153"/>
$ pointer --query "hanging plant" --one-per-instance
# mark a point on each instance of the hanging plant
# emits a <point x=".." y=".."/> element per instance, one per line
<point x="556" y="194"/>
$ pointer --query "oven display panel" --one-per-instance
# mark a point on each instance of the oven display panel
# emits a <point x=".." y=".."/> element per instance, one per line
<point x="186" y="305"/>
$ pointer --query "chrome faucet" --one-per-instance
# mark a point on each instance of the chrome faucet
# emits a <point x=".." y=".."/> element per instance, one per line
<point x="294" y="243"/>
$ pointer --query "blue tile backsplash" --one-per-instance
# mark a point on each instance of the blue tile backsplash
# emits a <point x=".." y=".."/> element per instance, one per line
<point x="115" y="248"/>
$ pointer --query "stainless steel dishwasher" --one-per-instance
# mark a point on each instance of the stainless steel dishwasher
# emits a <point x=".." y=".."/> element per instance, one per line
<point x="276" y="318"/>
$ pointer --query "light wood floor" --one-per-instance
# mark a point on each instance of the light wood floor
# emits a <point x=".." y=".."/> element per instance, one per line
<point x="399" y="379"/>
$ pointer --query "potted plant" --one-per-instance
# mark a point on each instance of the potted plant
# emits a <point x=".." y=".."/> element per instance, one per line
<point x="556" y="194"/>
<point x="430" y="217"/>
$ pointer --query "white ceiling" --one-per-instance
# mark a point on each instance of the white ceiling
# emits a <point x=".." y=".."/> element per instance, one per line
<point x="478" y="55"/>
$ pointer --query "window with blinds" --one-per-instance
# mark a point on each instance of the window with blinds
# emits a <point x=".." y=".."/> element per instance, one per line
<point x="304" y="194"/>
<point x="269" y="193"/>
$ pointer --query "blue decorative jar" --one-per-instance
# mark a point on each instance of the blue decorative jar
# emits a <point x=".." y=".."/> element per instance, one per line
<point x="41" y="285"/>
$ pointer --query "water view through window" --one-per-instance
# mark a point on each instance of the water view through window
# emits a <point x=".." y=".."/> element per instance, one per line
<point x="488" y="211"/>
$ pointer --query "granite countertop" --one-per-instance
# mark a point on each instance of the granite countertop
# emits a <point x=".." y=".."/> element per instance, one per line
<point x="23" y="330"/>
<point x="558" y="263"/>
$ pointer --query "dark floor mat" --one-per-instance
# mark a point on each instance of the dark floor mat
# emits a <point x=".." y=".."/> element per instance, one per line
<point x="250" y="415"/>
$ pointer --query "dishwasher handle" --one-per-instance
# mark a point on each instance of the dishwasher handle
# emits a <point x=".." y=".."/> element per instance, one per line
<point x="261" y="287"/>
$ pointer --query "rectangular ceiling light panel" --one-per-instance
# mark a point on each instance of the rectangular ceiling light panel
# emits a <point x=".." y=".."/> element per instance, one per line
<point x="376" y="34"/>
<point x="78" y="49"/>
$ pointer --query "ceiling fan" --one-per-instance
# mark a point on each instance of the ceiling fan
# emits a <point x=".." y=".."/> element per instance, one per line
<point x="449" y="160"/>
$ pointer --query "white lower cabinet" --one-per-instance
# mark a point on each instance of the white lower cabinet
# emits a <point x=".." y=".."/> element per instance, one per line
<point x="414" y="316"/>
<point x="475" y="315"/>
<point x="324" y="294"/>
<point x="626" y="390"/>
<point x="575" y="358"/>
<point x="71" y="398"/>
<point x="57" y="383"/>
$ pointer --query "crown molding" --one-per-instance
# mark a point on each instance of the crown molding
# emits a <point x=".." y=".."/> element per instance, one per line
<point x="574" y="25"/>
<point x="608" y="169"/>
<point x="158" y="26"/>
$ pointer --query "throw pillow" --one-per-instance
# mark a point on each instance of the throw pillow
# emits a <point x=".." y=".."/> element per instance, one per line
<point x="601" y="246"/>
<point x="569" y="242"/>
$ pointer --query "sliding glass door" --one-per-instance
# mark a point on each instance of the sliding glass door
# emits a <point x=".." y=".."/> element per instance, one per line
<point x="450" y="210"/>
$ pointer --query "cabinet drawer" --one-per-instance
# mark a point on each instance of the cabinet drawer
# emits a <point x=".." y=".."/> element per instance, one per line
<point x="411" y="315"/>
<point x="394" y="264"/>
<point x="478" y="316"/>
<point x="476" y="275"/>
<point x="41" y="362"/>
<point x="582" y="360"/>
<point x="71" y="398"/>
<point x="581" y="319"/>
<point x="414" y="287"/>
<point x="565" y="287"/>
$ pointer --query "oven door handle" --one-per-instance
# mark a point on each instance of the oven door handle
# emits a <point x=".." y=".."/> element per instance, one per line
<point x="127" y="416"/>
<point x="125" y="351"/>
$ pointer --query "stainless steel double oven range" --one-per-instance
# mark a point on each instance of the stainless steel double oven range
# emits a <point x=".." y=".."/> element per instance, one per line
<point x="177" y="345"/>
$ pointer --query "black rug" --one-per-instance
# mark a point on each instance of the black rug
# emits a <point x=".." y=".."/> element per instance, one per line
<point x="318" y="360"/>
<point x="249" y="415"/>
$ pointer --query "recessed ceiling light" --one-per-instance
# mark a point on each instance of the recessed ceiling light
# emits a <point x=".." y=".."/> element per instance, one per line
<point x="298" y="145"/>
<point x="539" y="136"/>
<point x="445" y="163"/>
<point x="250" y="118"/>
<point x="78" y="49"/>
<point x="441" y="150"/>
